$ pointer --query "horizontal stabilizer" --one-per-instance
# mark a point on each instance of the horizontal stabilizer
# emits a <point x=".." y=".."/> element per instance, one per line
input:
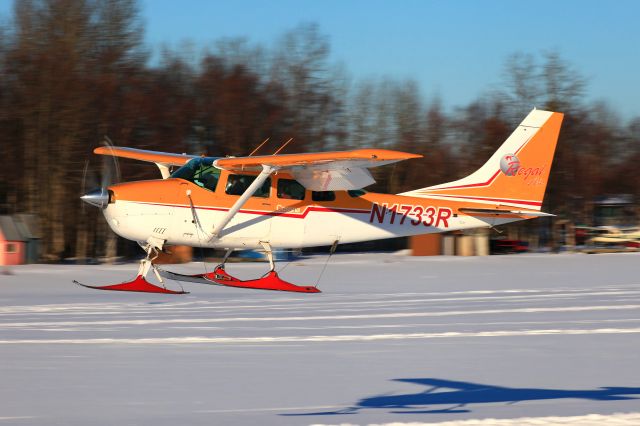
<point x="495" y="212"/>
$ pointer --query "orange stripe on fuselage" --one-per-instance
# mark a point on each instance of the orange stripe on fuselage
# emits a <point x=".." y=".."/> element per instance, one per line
<point x="173" y="192"/>
<point x="283" y="212"/>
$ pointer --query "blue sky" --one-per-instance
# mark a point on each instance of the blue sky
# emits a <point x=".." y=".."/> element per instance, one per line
<point x="455" y="49"/>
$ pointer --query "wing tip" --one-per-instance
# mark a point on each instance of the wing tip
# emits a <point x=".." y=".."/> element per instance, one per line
<point x="104" y="150"/>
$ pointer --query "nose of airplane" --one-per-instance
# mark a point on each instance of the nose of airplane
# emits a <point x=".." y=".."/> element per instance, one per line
<point x="98" y="197"/>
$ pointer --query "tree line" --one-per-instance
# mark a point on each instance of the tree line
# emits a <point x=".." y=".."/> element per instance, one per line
<point x="73" y="71"/>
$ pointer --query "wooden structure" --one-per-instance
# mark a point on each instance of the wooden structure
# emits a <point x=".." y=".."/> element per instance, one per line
<point x="12" y="243"/>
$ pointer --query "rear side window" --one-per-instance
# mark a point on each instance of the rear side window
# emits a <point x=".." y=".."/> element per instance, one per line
<point x="323" y="195"/>
<point x="356" y="192"/>
<point x="290" y="189"/>
<point x="238" y="184"/>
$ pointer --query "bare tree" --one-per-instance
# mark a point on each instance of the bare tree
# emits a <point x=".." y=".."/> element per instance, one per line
<point x="301" y="65"/>
<point x="563" y="85"/>
<point x="522" y="88"/>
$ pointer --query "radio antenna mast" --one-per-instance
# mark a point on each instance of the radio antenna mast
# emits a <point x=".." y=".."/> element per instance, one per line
<point x="258" y="147"/>
<point x="282" y="147"/>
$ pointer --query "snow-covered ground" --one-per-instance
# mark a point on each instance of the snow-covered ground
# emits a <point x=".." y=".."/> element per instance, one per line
<point x="390" y="339"/>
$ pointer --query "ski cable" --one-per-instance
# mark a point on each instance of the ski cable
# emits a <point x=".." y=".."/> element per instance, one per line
<point x="332" y="250"/>
<point x="198" y="226"/>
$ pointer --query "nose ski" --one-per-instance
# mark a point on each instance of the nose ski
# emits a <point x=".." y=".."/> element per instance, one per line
<point x="140" y="284"/>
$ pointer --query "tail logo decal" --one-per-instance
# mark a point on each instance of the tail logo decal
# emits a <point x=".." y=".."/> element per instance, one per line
<point x="510" y="164"/>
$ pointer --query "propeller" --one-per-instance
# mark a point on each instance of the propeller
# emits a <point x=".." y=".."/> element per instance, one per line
<point x="109" y="174"/>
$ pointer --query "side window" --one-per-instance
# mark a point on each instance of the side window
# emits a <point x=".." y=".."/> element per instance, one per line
<point x="356" y="192"/>
<point x="290" y="189"/>
<point x="323" y="195"/>
<point x="237" y="184"/>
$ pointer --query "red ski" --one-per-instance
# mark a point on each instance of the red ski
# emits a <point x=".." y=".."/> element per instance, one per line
<point x="270" y="281"/>
<point x="139" y="284"/>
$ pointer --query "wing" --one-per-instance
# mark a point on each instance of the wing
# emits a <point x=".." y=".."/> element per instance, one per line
<point x="161" y="159"/>
<point x="450" y="384"/>
<point x="322" y="171"/>
<point x="164" y="158"/>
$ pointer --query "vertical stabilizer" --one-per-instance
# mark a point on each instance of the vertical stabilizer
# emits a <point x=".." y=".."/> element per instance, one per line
<point x="517" y="173"/>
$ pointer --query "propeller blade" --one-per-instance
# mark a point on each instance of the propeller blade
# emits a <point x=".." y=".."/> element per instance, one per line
<point x="110" y="166"/>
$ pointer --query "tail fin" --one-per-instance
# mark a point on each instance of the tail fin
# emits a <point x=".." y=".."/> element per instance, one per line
<point x="517" y="173"/>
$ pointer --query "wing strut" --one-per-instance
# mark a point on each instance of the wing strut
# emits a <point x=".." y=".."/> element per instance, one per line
<point x="257" y="183"/>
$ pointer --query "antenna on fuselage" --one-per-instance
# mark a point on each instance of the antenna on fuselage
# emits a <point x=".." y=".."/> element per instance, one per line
<point x="258" y="147"/>
<point x="282" y="147"/>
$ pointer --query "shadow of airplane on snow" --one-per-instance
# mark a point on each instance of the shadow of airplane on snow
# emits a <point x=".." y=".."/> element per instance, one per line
<point x="454" y="396"/>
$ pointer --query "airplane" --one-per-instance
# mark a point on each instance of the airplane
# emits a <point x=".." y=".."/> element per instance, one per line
<point x="456" y="395"/>
<point x="293" y="201"/>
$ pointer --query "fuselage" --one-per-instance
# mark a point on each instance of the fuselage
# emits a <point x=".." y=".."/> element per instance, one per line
<point x="182" y="212"/>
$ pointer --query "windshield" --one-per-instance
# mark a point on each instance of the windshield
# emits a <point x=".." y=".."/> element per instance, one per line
<point x="199" y="171"/>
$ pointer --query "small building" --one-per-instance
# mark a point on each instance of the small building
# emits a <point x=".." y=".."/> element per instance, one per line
<point x="28" y="226"/>
<point x="615" y="210"/>
<point x="470" y="243"/>
<point x="426" y="245"/>
<point x="173" y="255"/>
<point x="12" y="242"/>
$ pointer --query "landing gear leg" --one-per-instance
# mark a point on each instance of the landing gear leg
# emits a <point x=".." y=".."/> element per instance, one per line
<point x="269" y="281"/>
<point x="147" y="263"/>
<point x="267" y="249"/>
<point x="225" y="258"/>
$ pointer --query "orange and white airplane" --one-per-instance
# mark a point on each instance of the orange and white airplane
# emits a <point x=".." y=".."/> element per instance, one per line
<point x="303" y="200"/>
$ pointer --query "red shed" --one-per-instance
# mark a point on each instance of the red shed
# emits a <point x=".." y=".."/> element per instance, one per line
<point x="12" y="243"/>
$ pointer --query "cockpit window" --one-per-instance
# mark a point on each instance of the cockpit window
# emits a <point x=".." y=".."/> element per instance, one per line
<point x="291" y="189"/>
<point x="323" y="195"/>
<point x="199" y="171"/>
<point x="238" y="184"/>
